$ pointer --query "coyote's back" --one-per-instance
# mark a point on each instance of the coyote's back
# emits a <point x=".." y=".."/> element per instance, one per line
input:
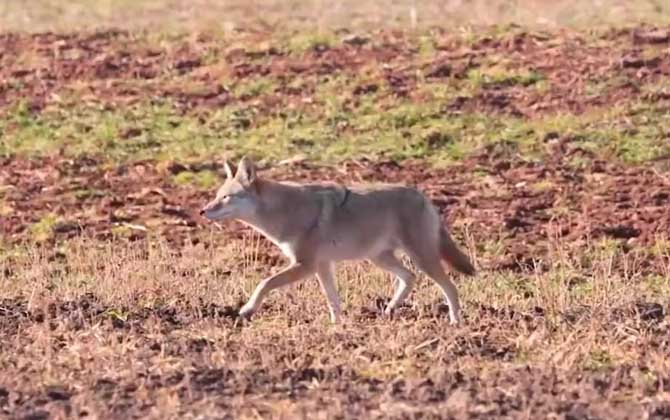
<point x="366" y="220"/>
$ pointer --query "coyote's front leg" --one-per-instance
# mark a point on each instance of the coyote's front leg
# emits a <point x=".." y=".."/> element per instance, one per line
<point x="289" y="275"/>
<point x="324" y="273"/>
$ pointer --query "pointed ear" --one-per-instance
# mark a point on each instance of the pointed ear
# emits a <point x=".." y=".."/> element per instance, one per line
<point x="246" y="171"/>
<point x="228" y="169"/>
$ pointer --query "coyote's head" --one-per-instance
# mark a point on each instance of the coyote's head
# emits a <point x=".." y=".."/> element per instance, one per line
<point x="237" y="198"/>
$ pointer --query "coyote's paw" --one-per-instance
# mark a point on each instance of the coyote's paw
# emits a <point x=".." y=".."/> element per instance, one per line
<point x="243" y="316"/>
<point x="336" y="319"/>
<point x="240" y="322"/>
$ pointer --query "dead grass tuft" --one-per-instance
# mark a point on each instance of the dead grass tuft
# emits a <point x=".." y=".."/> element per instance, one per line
<point x="144" y="329"/>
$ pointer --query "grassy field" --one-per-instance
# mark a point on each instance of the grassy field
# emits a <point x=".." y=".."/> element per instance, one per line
<point x="544" y="144"/>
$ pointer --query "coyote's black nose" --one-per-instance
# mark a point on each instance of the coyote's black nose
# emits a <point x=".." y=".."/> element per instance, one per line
<point x="202" y="212"/>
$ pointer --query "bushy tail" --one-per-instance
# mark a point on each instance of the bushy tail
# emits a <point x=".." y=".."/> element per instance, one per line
<point x="454" y="256"/>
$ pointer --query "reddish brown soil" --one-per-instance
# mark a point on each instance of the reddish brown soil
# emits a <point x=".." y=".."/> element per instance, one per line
<point x="569" y="64"/>
<point x="117" y="68"/>
<point x="525" y="206"/>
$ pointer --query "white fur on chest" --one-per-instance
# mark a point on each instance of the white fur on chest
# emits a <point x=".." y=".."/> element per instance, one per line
<point x="286" y="247"/>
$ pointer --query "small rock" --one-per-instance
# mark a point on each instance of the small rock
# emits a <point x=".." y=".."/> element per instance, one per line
<point x="650" y="311"/>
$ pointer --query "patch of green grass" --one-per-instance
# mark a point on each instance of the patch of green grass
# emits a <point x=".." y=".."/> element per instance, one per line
<point x="334" y="124"/>
<point x="494" y="31"/>
<point x="442" y="91"/>
<point x="302" y="42"/>
<point x="333" y="131"/>
<point x="499" y="76"/>
<point x="426" y="45"/>
<point x="661" y="247"/>
<point x="491" y="248"/>
<point x="636" y="133"/>
<point x="595" y="88"/>
<point x="542" y="186"/>
<point x="24" y="133"/>
<point x="43" y="229"/>
<point x="579" y="162"/>
<point x="122" y="231"/>
<point x="515" y="286"/>
<point x="117" y="314"/>
<point x="203" y="179"/>
<point x="606" y="247"/>
<point x="656" y="285"/>
<point x="254" y="87"/>
<point x="661" y="87"/>
<point x="85" y="193"/>
<point x="583" y="289"/>
<point x="598" y="360"/>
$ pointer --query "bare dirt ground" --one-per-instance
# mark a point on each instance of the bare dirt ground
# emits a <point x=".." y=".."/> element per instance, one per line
<point x="45" y="65"/>
<point x="136" y="333"/>
<point x="603" y="200"/>
<point x="493" y="183"/>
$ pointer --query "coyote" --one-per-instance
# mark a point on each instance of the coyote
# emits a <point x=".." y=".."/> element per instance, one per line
<point x="316" y="225"/>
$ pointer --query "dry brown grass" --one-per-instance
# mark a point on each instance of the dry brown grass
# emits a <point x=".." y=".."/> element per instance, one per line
<point x="39" y="15"/>
<point x="139" y="329"/>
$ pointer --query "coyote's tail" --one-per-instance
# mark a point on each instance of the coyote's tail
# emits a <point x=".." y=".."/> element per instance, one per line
<point x="454" y="256"/>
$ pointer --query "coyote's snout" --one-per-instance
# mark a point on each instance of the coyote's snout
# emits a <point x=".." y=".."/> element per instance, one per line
<point x="316" y="225"/>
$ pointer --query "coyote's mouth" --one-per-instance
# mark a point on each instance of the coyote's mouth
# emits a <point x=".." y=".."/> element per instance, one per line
<point x="216" y="214"/>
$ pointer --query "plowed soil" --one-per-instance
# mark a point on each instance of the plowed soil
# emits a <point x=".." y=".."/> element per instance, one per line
<point x="118" y="68"/>
<point x="525" y="206"/>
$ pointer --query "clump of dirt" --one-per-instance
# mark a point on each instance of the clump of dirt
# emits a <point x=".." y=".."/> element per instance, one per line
<point x="649" y="313"/>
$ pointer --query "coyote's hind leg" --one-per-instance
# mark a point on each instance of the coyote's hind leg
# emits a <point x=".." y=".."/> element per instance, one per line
<point x="389" y="262"/>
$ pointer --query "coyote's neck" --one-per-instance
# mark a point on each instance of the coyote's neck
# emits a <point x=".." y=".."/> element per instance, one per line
<point x="281" y="212"/>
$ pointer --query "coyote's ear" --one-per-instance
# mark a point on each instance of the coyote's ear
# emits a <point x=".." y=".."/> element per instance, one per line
<point x="246" y="172"/>
<point x="228" y="169"/>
